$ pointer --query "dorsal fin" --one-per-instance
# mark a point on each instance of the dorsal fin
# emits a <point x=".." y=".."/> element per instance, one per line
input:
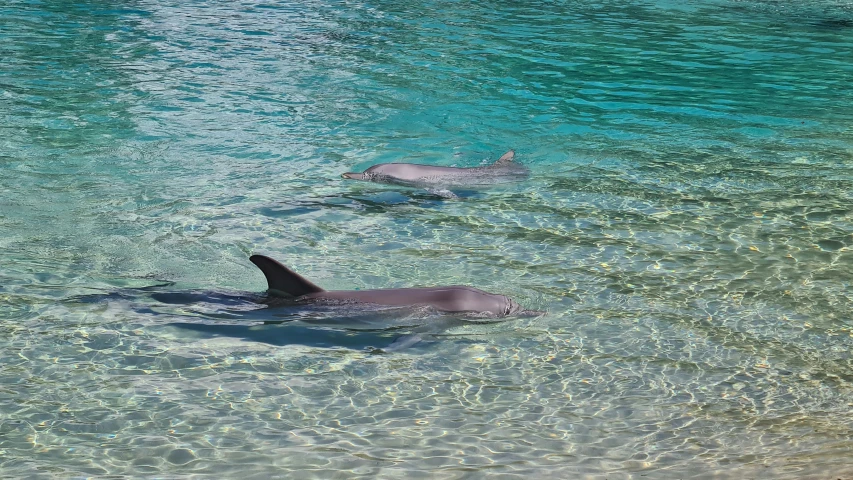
<point x="283" y="279"/>
<point x="506" y="158"/>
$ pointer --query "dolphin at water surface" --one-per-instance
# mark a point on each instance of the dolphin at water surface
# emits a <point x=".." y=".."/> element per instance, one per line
<point x="504" y="170"/>
<point x="411" y="314"/>
<point x="415" y="313"/>
<point x="456" y="299"/>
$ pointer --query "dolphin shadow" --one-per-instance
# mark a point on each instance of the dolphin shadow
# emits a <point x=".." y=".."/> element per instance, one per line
<point x="376" y="329"/>
<point x="373" y="201"/>
<point x="833" y="23"/>
<point x="385" y="330"/>
<point x="280" y="335"/>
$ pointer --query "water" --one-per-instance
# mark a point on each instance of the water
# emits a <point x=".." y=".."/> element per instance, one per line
<point x="687" y="225"/>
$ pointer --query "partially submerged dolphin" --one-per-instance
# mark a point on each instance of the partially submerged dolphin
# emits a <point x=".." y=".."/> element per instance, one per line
<point x="466" y="301"/>
<point x="316" y="313"/>
<point x="417" y="175"/>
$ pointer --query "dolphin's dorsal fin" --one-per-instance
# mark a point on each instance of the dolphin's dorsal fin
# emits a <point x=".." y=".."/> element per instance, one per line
<point x="506" y="158"/>
<point x="283" y="279"/>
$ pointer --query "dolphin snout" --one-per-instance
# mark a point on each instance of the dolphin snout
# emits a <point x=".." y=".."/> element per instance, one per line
<point x="515" y="310"/>
<point x="353" y="176"/>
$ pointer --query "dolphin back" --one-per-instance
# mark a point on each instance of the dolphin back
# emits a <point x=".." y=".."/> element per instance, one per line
<point x="282" y="279"/>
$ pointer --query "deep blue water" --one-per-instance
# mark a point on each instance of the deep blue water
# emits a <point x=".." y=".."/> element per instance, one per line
<point x="687" y="226"/>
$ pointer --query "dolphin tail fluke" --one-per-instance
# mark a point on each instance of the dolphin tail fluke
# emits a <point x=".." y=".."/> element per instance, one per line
<point x="506" y="158"/>
<point x="282" y="279"/>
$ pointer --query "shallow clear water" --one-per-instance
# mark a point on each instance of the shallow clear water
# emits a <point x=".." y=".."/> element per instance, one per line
<point x="687" y="225"/>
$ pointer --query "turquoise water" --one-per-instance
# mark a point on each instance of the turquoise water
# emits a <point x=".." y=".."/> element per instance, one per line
<point x="688" y="226"/>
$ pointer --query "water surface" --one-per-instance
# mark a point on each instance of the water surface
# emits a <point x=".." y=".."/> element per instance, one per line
<point x="687" y="225"/>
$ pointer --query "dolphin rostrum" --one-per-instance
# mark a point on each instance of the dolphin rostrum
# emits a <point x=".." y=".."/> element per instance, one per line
<point x="452" y="299"/>
<point x="417" y="175"/>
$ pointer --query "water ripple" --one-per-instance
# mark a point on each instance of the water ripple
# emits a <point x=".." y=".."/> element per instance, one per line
<point x="686" y="226"/>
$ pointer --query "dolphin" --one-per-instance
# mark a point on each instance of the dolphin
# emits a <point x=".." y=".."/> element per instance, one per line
<point x="455" y="299"/>
<point x="416" y="313"/>
<point x="428" y="176"/>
